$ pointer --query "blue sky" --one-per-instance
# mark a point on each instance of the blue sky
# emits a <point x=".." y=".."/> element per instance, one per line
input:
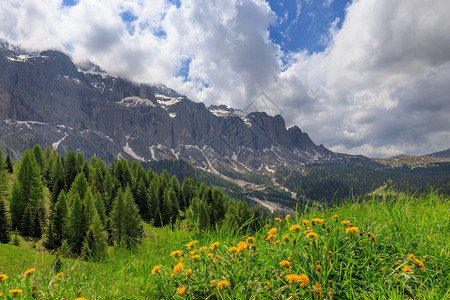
<point x="359" y="76"/>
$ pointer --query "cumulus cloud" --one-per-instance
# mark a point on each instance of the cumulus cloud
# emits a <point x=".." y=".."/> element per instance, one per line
<point x="379" y="88"/>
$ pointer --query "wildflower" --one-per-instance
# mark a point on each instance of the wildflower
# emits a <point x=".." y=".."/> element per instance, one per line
<point x="346" y="223"/>
<point x="181" y="289"/>
<point x="312" y="235"/>
<point x="329" y="252"/>
<point x="241" y="246"/>
<point x="271" y="237"/>
<point x="267" y="284"/>
<point x="210" y="255"/>
<point x="419" y="263"/>
<point x="15" y="292"/>
<point x="179" y="267"/>
<point x="318" y="267"/>
<point x="28" y="272"/>
<point x="317" y="221"/>
<point x="286" y="238"/>
<point x="287" y="217"/>
<point x="407" y="269"/>
<point x="335" y="217"/>
<point x="410" y="255"/>
<point x="223" y="283"/>
<point x="203" y="248"/>
<point x="352" y="229"/>
<point x="3" y="277"/>
<point x="212" y="283"/>
<point x="278" y="220"/>
<point x="371" y="236"/>
<point x="272" y="231"/>
<point x="81" y="298"/>
<point x="295" y="228"/>
<point x="306" y="222"/>
<point x="294" y="278"/>
<point x="195" y="257"/>
<point x="176" y="253"/>
<point x="308" y="231"/>
<point x="156" y="269"/>
<point x="317" y="290"/>
<point x="190" y="245"/>
<point x="285" y="264"/>
<point x="214" y="246"/>
<point x="250" y="240"/>
<point x="189" y="272"/>
<point x="233" y="249"/>
<point x="193" y="252"/>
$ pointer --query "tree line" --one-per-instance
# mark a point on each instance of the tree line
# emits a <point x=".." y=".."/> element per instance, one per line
<point x="85" y="206"/>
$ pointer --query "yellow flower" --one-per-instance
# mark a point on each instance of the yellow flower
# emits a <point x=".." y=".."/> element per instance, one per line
<point x="193" y="252"/>
<point x="410" y="255"/>
<point x="317" y="221"/>
<point x="176" y="253"/>
<point x="285" y="264"/>
<point x="352" y="230"/>
<point x="308" y="231"/>
<point x="335" y="217"/>
<point x="371" y="236"/>
<point x="312" y="235"/>
<point x="295" y="228"/>
<point x="278" y="220"/>
<point x="179" y="267"/>
<point x="233" y="249"/>
<point x="286" y="238"/>
<point x="189" y="272"/>
<point x="1" y="294"/>
<point x="214" y="246"/>
<point x="15" y="292"/>
<point x="294" y="278"/>
<point x="271" y="237"/>
<point x="272" y="231"/>
<point x="210" y="255"/>
<point x="3" y="277"/>
<point x="223" y="283"/>
<point x="241" y="246"/>
<point x="190" y="245"/>
<point x="419" y="263"/>
<point x="407" y="269"/>
<point x="318" y="267"/>
<point x="28" y="272"/>
<point x="81" y="298"/>
<point x="156" y="269"/>
<point x="250" y="240"/>
<point x="306" y="222"/>
<point x="287" y="217"/>
<point x="181" y="289"/>
<point x="267" y="284"/>
<point x="346" y="223"/>
<point x="195" y="257"/>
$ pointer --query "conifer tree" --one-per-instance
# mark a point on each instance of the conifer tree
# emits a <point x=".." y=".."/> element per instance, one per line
<point x="75" y="226"/>
<point x="39" y="157"/>
<point x="153" y="201"/>
<point x="17" y="205"/>
<point x="70" y="168"/>
<point x="57" y="228"/>
<point x="57" y="177"/>
<point x="27" y="221"/>
<point x="9" y="165"/>
<point x="118" y="217"/>
<point x="133" y="228"/>
<point x="89" y="208"/>
<point x="141" y="199"/>
<point x="5" y="225"/>
<point x="95" y="242"/>
<point x="203" y="215"/>
<point x="3" y="178"/>
<point x="175" y="185"/>
<point x="37" y="225"/>
<point x="172" y="197"/>
<point x="79" y="186"/>
<point x="100" y="206"/>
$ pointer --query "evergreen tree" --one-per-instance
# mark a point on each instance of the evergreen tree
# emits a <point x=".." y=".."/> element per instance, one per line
<point x="95" y="242"/>
<point x="57" y="177"/>
<point x="37" y="225"/>
<point x="141" y="198"/>
<point x="27" y="221"/>
<point x="187" y="193"/>
<point x="203" y="215"/>
<point x="75" y="226"/>
<point x="89" y="208"/>
<point x="164" y="179"/>
<point x="175" y="185"/>
<point x="5" y="225"/>
<point x="100" y="206"/>
<point x="57" y="231"/>
<point x="70" y="168"/>
<point x="17" y="205"/>
<point x="9" y="165"/>
<point x="39" y="157"/>
<point x="125" y="220"/>
<point x="108" y="190"/>
<point x="153" y="201"/>
<point x="79" y="186"/>
<point x="122" y="172"/>
<point x="3" y="178"/>
<point x="172" y="198"/>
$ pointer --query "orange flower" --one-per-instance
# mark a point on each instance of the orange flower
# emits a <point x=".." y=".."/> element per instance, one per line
<point x="176" y="253"/>
<point x="287" y="217"/>
<point x="241" y="246"/>
<point x="407" y="269"/>
<point x="317" y="221"/>
<point x="179" y="267"/>
<point x="278" y="220"/>
<point x="312" y="235"/>
<point x="181" y="289"/>
<point x="214" y="246"/>
<point x="352" y="230"/>
<point x="28" y="272"/>
<point x="223" y="283"/>
<point x="285" y="264"/>
<point x="272" y="231"/>
<point x="233" y="249"/>
<point x="306" y="222"/>
<point x="295" y="228"/>
<point x="3" y="277"/>
<point x="156" y="269"/>
<point x="250" y="240"/>
<point x="294" y="278"/>
<point x="335" y="217"/>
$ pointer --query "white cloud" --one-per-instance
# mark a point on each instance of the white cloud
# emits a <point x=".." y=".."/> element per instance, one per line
<point x="380" y="87"/>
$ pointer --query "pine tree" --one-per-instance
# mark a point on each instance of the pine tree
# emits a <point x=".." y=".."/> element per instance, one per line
<point x="70" y="168"/>
<point x="125" y="220"/>
<point x="203" y="220"/>
<point x="39" y="157"/>
<point x="153" y="201"/>
<point x="5" y="225"/>
<point x="57" y="178"/>
<point x="75" y="226"/>
<point x="9" y="165"/>
<point x="89" y="208"/>
<point x="79" y="186"/>
<point x="3" y="178"/>
<point x="100" y="206"/>
<point x="27" y="221"/>
<point x="141" y="198"/>
<point x="57" y="228"/>
<point x="95" y="242"/>
<point x="37" y="225"/>
<point x="27" y="189"/>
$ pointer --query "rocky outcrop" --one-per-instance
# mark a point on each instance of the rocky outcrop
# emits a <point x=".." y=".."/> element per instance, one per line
<point x="45" y="98"/>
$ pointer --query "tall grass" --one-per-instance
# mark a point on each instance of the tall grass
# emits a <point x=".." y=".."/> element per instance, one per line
<point x="406" y="258"/>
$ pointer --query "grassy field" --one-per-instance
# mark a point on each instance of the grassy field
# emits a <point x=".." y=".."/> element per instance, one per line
<point x="397" y="248"/>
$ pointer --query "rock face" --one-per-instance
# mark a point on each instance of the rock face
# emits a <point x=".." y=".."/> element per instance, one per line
<point x="45" y="98"/>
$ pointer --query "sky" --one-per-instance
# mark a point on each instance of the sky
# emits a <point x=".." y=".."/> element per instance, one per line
<point x="367" y="77"/>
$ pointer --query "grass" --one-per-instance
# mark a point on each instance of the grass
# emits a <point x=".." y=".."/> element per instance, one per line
<point x="407" y="231"/>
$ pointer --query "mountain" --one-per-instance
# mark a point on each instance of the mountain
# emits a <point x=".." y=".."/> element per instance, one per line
<point x="441" y="154"/>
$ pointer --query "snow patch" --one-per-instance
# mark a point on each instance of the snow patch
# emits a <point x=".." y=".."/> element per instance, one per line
<point x="172" y="115"/>
<point x="130" y="151"/>
<point x="135" y="101"/>
<point x="56" y="145"/>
